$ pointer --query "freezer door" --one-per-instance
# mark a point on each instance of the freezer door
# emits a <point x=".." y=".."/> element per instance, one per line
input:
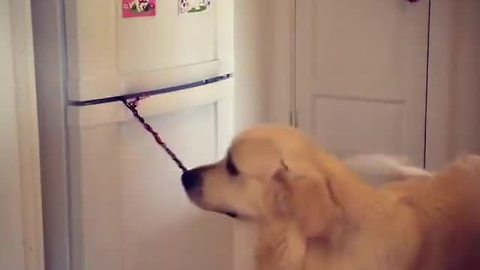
<point x="109" y="54"/>
<point x="128" y="208"/>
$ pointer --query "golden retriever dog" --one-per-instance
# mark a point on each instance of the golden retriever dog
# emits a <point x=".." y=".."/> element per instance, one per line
<point x="314" y="213"/>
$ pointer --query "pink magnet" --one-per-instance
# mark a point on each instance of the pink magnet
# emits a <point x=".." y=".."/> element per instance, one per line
<point x="139" y="8"/>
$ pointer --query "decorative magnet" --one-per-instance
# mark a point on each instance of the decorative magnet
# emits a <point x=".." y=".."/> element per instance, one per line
<point x="192" y="6"/>
<point x="139" y="8"/>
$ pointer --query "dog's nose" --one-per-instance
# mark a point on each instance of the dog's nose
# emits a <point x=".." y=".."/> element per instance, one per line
<point x="191" y="179"/>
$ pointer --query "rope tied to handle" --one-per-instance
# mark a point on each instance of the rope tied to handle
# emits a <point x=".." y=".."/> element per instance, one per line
<point x="132" y="104"/>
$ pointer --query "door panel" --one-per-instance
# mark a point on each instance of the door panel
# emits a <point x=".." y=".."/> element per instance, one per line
<point x="361" y="75"/>
<point x="337" y="125"/>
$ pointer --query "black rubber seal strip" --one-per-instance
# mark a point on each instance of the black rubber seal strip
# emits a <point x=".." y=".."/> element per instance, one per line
<point x="169" y="89"/>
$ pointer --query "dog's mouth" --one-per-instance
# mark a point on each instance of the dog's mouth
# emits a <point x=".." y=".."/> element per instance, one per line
<point x="230" y="214"/>
<point x="237" y="216"/>
<point x="206" y="207"/>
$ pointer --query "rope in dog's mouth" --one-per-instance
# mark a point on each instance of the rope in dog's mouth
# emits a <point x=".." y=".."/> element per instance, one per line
<point x="131" y="104"/>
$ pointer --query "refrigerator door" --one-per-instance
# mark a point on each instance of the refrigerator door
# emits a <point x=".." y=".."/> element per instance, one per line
<point x="128" y="209"/>
<point x="110" y="54"/>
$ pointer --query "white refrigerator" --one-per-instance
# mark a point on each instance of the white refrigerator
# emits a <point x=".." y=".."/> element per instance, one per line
<point x="112" y="198"/>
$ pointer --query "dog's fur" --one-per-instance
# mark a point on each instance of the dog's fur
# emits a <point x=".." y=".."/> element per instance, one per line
<point x="314" y="213"/>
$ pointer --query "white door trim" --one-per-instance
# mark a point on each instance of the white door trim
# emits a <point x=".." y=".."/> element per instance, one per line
<point x="439" y="148"/>
<point x="440" y="103"/>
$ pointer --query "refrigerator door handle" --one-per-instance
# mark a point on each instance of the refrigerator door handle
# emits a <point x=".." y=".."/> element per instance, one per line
<point x="160" y="101"/>
<point x="169" y="89"/>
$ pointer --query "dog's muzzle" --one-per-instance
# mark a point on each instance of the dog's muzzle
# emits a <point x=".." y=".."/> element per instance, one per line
<point x="192" y="182"/>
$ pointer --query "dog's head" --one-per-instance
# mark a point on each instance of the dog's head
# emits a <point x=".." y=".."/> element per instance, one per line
<point x="268" y="172"/>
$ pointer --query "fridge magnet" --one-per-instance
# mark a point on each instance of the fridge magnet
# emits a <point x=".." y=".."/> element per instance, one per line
<point x="138" y="8"/>
<point x="192" y="6"/>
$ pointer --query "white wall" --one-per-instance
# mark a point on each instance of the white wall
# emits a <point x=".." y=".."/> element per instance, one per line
<point x="20" y="207"/>
<point x="281" y="62"/>
<point x="252" y="63"/>
<point x="264" y="49"/>
<point x="11" y="254"/>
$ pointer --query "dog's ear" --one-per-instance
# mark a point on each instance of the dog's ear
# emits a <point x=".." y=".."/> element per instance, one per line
<point x="314" y="206"/>
<point x="258" y="157"/>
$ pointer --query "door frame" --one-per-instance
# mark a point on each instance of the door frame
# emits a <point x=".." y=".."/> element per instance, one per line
<point x="439" y="147"/>
<point x="281" y="106"/>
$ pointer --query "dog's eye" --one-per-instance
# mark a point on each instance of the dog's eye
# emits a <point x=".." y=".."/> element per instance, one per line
<point x="231" y="168"/>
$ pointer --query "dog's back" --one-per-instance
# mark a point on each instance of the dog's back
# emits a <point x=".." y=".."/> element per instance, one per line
<point x="447" y="207"/>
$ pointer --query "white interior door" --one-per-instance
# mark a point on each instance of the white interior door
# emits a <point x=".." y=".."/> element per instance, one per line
<point x="361" y="70"/>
